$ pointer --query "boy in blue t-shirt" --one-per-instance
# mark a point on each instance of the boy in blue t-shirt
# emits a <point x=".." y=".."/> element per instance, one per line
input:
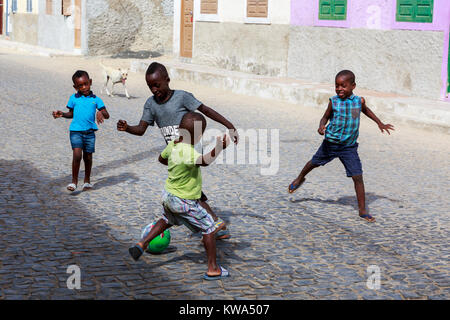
<point x="340" y="137"/>
<point x="83" y="107"/>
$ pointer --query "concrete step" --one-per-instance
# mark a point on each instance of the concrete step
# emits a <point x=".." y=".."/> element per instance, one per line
<point x="427" y="114"/>
<point x="37" y="50"/>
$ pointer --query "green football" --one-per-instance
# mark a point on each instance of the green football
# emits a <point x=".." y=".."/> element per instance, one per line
<point x="159" y="243"/>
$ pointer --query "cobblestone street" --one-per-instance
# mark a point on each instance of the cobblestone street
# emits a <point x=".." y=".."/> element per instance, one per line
<point x="309" y="245"/>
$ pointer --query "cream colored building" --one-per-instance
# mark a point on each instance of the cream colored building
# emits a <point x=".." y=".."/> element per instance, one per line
<point x="24" y="15"/>
<point x="244" y="35"/>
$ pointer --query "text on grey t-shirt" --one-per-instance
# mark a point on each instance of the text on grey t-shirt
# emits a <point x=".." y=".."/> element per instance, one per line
<point x="168" y="115"/>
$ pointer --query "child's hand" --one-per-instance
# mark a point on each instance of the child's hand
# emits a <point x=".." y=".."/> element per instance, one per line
<point x="234" y="135"/>
<point x="222" y="142"/>
<point x="100" y="117"/>
<point x="386" y="127"/>
<point x="122" y="125"/>
<point x="321" y="130"/>
<point x="57" y="114"/>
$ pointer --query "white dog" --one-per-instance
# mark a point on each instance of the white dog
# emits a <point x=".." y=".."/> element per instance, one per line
<point x="116" y="76"/>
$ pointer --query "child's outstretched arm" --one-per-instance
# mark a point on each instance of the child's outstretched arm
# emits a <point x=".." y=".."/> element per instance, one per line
<point x="325" y="118"/>
<point x="138" y="130"/>
<point x="365" y="109"/>
<point x="221" y="144"/>
<point x="214" y="115"/>
<point x="102" y="114"/>
<point x="59" y="114"/>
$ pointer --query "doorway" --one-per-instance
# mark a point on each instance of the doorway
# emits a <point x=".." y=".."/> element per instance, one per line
<point x="186" y="28"/>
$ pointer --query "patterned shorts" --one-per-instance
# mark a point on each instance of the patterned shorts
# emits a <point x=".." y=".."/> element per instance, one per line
<point x="177" y="211"/>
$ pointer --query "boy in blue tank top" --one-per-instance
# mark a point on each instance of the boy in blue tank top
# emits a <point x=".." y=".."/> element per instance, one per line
<point x="341" y="134"/>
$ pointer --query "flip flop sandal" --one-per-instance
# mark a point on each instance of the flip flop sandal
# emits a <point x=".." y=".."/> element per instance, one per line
<point x="223" y="274"/>
<point x="136" y="251"/>
<point x="292" y="188"/>
<point x="368" y="217"/>
<point x="223" y="234"/>
<point x="87" y="186"/>
<point x="72" y="187"/>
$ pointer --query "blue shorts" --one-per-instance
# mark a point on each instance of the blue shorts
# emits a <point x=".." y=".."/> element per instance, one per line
<point x="84" y="140"/>
<point x="347" y="154"/>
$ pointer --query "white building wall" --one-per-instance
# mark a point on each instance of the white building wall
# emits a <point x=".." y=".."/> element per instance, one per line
<point x="233" y="41"/>
<point x="236" y="11"/>
<point x="22" y="6"/>
<point x="55" y="30"/>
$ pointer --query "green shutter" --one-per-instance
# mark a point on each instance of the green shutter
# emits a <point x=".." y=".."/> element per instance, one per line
<point x="448" y="70"/>
<point x="332" y="9"/>
<point x="340" y="9"/>
<point x="405" y="10"/>
<point x="415" y="10"/>
<point x="325" y="9"/>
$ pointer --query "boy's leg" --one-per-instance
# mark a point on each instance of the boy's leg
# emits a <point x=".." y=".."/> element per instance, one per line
<point x="309" y="166"/>
<point x="76" y="141"/>
<point x="352" y="163"/>
<point x="138" y="249"/>
<point x="209" y="242"/>
<point x="223" y="225"/>
<point x="88" y="150"/>
<point x="323" y="155"/>
<point x="205" y="205"/>
<point x="361" y="197"/>
<point x="208" y="209"/>
<point x="159" y="227"/>
<point x="87" y="158"/>
<point x="77" y="154"/>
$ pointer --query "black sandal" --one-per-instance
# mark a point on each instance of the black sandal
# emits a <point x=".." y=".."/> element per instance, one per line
<point x="136" y="252"/>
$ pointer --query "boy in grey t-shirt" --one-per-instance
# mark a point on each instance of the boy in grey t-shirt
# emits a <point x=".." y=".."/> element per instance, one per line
<point x="166" y="107"/>
<point x="168" y="115"/>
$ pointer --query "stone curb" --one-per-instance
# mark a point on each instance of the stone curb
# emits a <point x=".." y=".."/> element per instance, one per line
<point x="41" y="51"/>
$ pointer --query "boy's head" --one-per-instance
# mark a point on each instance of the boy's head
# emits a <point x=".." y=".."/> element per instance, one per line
<point x="192" y="126"/>
<point x="81" y="82"/>
<point x="157" y="79"/>
<point x="345" y="83"/>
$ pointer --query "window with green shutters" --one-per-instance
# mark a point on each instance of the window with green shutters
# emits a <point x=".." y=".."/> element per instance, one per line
<point x="415" y="10"/>
<point x="332" y="9"/>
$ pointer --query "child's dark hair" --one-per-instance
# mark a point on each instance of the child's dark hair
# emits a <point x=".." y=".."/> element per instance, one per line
<point x="347" y="73"/>
<point x="157" y="67"/>
<point x="79" y="74"/>
<point x="189" y="119"/>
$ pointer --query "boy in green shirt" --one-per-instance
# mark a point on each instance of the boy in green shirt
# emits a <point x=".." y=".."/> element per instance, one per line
<point x="183" y="189"/>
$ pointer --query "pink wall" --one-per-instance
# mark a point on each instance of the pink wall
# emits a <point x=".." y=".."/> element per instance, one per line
<point x="377" y="14"/>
